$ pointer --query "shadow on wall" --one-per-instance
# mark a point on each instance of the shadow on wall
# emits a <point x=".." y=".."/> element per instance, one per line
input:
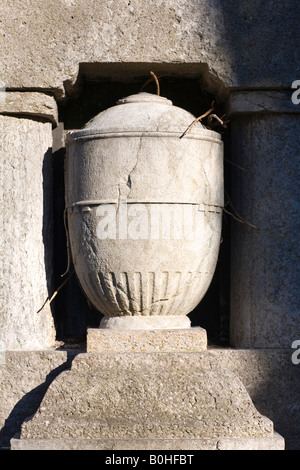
<point x="47" y="234"/>
<point x="259" y="38"/>
<point x="29" y="404"/>
<point x="71" y="310"/>
<point x="277" y="396"/>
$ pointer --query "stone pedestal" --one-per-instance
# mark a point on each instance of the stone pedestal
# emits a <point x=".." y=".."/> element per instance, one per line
<point x="26" y="121"/>
<point x="188" y="340"/>
<point x="265" y="295"/>
<point x="140" y="400"/>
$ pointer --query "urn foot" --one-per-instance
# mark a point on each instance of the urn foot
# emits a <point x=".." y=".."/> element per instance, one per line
<point x="152" y="322"/>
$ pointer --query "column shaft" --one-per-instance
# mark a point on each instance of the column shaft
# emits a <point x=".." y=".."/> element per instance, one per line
<point x="265" y="278"/>
<point x="25" y="226"/>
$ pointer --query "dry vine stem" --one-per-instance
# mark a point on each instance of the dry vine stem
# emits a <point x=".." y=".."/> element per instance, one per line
<point x="151" y="80"/>
<point x="198" y="119"/>
<point x="235" y="215"/>
<point x="220" y="120"/>
<point x="49" y="299"/>
<point x="157" y="82"/>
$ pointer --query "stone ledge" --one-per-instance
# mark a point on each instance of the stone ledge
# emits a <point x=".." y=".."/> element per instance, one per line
<point x="35" y="104"/>
<point x="262" y="443"/>
<point x="186" y="340"/>
<point x="261" y="102"/>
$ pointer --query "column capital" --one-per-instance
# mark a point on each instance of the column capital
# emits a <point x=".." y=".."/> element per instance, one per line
<point x="246" y="102"/>
<point x="23" y="103"/>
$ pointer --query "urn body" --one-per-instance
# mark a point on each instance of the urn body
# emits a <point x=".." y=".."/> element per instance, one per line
<point x="144" y="210"/>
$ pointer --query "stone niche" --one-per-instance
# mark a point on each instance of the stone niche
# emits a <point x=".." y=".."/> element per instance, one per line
<point x="99" y="87"/>
<point x="144" y="389"/>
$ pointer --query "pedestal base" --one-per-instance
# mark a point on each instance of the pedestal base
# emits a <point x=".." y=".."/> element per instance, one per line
<point x="147" y="401"/>
<point x="276" y="442"/>
<point x="188" y="340"/>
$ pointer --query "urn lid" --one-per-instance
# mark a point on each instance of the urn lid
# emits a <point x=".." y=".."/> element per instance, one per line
<point x="144" y="98"/>
<point x="142" y="113"/>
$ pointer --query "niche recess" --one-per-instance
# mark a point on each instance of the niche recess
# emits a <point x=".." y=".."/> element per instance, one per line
<point x="97" y="88"/>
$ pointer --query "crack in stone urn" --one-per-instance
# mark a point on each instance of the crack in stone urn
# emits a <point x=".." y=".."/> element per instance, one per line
<point x="144" y="210"/>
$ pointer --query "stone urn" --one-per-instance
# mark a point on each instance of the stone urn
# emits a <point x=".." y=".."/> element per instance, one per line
<point x="144" y="210"/>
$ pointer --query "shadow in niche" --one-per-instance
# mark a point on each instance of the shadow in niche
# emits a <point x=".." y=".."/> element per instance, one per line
<point x="258" y="37"/>
<point x="29" y="403"/>
<point x="72" y="313"/>
<point x="47" y="230"/>
<point x="212" y="313"/>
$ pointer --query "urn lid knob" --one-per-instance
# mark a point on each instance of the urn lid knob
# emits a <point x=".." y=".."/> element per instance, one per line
<point x="143" y="97"/>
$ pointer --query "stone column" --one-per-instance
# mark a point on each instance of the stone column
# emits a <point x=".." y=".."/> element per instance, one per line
<point x="265" y="280"/>
<point x="26" y="121"/>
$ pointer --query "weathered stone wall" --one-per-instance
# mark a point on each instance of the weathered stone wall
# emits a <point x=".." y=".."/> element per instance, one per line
<point x="242" y="43"/>
<point x="265" y="297"/>
<point x="51" y="48"/>
<point x="227" y="45"/>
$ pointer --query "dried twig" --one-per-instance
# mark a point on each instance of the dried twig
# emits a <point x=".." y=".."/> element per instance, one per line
<point x="234" y="164"/>
<point x="155" y="78"/>
<point x="151" y="80"/>
<point x="220" y="120"/>
<point x="49" y="299"/>
<point x="157" y="82"/>
<point x="235" y="215"/>
<point x="197" y="120"/>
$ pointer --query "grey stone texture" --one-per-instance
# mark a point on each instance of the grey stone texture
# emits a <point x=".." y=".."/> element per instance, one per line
<point x="260" y="443"/>
<point x="36" y="105"/>
<point x="260" y="102"/>
<point x="146" y="396"/>
<point x="176" y="340"/>
<point x="25" y="233"/>
<point x="270" y="377"/>
<point x="240" y="43"/>
<point x="265" y="297"/>
<point x="24" y="379"/>
<point x="230" y="45"/>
